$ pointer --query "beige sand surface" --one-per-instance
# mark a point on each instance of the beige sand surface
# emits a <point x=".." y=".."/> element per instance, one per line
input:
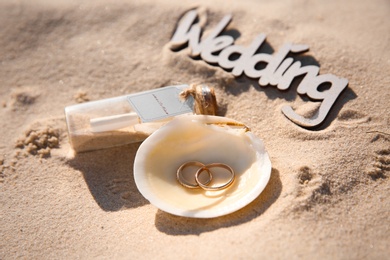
<point x="329" y="193"/>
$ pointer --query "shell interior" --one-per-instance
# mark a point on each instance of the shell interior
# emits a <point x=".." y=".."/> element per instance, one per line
<point x="207" y="139"/>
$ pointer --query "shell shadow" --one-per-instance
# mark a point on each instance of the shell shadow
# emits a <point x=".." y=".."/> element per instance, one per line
<point x="109" y="176"/>
<point x="175" y="225"/>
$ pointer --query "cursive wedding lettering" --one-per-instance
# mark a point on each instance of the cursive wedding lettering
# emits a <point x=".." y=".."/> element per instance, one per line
<point x="279" y="71"/>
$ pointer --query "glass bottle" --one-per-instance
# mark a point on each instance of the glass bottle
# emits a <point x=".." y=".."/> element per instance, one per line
<point x="132" y="118"/>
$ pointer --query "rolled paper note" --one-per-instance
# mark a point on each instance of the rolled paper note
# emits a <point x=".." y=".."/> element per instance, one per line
<point x="110" y="123"/>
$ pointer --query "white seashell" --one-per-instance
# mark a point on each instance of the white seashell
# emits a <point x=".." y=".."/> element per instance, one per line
<point x="207" y="139"/>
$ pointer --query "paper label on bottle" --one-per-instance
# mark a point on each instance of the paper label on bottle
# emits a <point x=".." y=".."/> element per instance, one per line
<point x="161" y="103"/>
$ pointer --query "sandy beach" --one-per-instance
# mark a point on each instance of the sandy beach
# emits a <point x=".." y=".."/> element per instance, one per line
<point x="328" y="196"/>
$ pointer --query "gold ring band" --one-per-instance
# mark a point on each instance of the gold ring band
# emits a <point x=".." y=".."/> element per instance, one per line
<point x="207" y="168"/>
<point x="187" y="184"/>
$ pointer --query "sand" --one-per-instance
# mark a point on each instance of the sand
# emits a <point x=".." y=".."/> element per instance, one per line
<point x="329" y="193"/>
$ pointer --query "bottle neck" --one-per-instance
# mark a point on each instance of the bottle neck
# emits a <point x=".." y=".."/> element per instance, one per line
<point x="205" y="100"/>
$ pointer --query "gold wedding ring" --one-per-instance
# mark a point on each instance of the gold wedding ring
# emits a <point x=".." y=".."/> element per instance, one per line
<point x="185" y="183"/>
<point x="207" y="168"/>
<point x="202" y="168"/>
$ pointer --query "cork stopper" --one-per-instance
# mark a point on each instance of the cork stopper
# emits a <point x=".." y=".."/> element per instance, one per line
<point x="205" y="100"/>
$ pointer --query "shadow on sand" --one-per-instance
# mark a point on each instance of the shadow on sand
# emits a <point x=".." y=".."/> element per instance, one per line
<point x="174" y="225"/>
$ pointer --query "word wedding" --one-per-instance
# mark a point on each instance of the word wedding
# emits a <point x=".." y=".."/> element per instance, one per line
<point x="279" y="70"/>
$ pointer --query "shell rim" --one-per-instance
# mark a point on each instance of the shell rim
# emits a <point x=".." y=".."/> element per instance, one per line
<point x="149" y="194"/>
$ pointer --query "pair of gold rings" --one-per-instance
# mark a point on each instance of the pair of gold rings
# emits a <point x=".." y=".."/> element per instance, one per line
<point x="204" y="184"/>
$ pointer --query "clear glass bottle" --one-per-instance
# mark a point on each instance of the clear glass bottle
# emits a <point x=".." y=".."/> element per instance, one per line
<point x="132" y="118"/>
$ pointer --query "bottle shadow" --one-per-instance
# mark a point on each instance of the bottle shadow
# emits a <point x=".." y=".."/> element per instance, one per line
<point x="174" y="225"/>
<point x="109" y="176"/>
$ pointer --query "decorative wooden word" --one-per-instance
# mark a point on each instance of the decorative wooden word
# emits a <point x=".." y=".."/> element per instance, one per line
<point x="279" y="70"/>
